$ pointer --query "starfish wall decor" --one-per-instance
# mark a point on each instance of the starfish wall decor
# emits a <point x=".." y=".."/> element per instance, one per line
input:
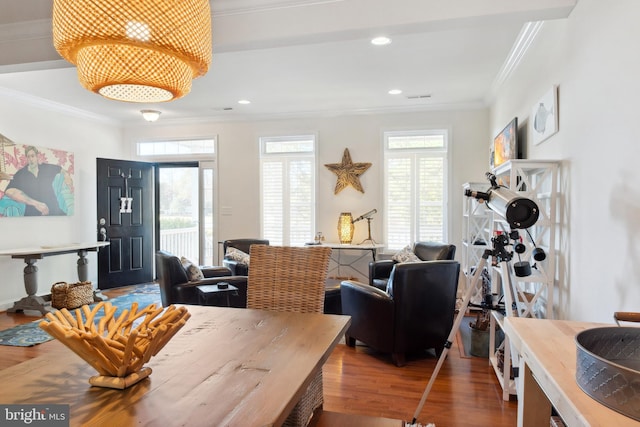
<point x="348" y="172"/>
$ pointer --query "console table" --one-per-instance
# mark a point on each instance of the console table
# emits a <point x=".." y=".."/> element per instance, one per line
<point x="369" y="248"/>
<point x="226" y="367"/>
<point x="548" y="374"/>
<point x="32" y="255"/>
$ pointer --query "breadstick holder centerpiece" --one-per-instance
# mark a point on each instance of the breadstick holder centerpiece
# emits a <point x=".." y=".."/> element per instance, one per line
<point x="118" y="348"/>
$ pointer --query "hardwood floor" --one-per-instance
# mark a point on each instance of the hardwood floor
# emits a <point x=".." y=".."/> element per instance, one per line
<point x="466" y="391"/>
<point x="361" y="381"/>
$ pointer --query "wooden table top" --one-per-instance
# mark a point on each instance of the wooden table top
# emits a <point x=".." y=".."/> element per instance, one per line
<point x="548" y="347"/>
<point x="226" y="367"/>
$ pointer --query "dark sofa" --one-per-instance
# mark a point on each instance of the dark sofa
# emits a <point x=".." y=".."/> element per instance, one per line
<point x="175" y="287"/>
<point x="244" y="245"/>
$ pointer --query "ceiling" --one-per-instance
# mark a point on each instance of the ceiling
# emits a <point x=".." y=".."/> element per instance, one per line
<point x="293" y="58"/>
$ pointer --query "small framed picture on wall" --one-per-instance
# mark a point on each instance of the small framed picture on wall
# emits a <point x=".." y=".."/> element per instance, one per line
<point x="544" y="117"/>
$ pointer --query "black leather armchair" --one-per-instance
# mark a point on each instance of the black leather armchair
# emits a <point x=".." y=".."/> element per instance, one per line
<point x="379" y="271"/>
<point x="414" y="314"/>
<point x="244" y="245"/>
<point x="175" y="287"/>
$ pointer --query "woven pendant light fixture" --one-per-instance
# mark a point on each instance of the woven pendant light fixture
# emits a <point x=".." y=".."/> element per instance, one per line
<point x="135" y="50"/>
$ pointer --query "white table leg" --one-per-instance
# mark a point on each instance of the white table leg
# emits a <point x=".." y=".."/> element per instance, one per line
<point x="534" y="409"/>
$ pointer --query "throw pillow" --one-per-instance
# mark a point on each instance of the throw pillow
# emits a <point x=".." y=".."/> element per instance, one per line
<point x="193" y="271"/>
<point x="406" y="254"/>
<point x="238" y="255"/>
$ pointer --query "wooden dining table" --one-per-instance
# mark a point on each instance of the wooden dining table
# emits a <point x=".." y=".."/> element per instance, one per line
<point x="226" y="367"/>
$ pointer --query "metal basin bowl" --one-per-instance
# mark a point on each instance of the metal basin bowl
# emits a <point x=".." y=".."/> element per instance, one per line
<point x="608" y="367"/>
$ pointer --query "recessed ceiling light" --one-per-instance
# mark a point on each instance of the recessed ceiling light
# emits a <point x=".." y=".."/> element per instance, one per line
<point x="395" y="92"/>
<point x="381" y="41"/>
<point x="150" y="115"/>
<point x="244" y="101"/>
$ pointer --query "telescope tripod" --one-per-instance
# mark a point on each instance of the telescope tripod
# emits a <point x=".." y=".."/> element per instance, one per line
<point x="369" y="239"/>
<point x="503" y="258"/>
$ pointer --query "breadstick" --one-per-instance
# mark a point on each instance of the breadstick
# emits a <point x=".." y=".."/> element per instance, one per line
<point x="142" y="350"/>
<point x="166" y="337"/>
<point x="87" y="312"/>
<point x="154" y="342"/>
<point x="109" y="311"/>
<point x="61" y="319"/>
<point x="105" y="350"/>
<point x="55" y="332"/>
<point x="131" y="318"/>
<point x="79" y="320"/>
<point x="116" y="344"/>
<point x="123" y="341"/>
<point x="129" y="323"/>
<point x="167" y="318"/>
<point x="128" y="350"/>
<point x="116" y="326"/>
<point x="70" y="319"/>
<point x="150" y="317"/>
<point x="88" y="316"/>
<point x="51" y="316"/>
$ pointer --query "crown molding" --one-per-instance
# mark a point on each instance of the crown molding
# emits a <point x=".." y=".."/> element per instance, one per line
<point x="316" y="114"/>
<point x="26" y="30"/>
<point x="57" y="107"/>
<point x="520" y="47"/>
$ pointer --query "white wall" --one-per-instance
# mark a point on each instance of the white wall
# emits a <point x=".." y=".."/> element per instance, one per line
<point x="239" y="163"/>
<point x="87" y="139"/>
<point x="592" y="57"/>
<point x="29" y="123"/>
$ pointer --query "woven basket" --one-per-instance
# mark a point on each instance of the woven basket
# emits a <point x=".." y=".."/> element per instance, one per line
<point x="70" y="296"/>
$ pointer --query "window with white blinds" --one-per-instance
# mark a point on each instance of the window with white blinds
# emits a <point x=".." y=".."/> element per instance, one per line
<point x="415" y="168"/>
<point x="287" y="189"/>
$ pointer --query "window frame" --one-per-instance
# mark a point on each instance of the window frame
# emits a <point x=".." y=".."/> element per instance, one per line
<point x="286" y="158"/>
<point x="176" y="157"/>
<point x="435" y="152"/>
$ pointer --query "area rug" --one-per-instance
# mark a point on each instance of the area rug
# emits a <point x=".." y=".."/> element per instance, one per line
<point x="29" y="334"/>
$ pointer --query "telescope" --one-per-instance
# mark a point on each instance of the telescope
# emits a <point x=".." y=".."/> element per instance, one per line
<point x="519" y="211"/>
<point x="367" y="215"/>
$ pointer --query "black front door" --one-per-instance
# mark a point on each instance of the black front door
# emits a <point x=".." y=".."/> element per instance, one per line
<point x="125" y="218"/>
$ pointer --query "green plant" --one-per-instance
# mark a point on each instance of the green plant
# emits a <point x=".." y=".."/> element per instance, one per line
<point x="173" y="222"/>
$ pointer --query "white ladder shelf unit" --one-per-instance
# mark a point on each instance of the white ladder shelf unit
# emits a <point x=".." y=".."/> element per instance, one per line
<point x="536" y="180"/>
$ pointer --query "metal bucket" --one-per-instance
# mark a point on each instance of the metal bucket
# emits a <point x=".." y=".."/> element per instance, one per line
<point x="608" y="367"/>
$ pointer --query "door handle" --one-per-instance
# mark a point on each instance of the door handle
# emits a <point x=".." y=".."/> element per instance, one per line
<point x="102" y="231"/>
